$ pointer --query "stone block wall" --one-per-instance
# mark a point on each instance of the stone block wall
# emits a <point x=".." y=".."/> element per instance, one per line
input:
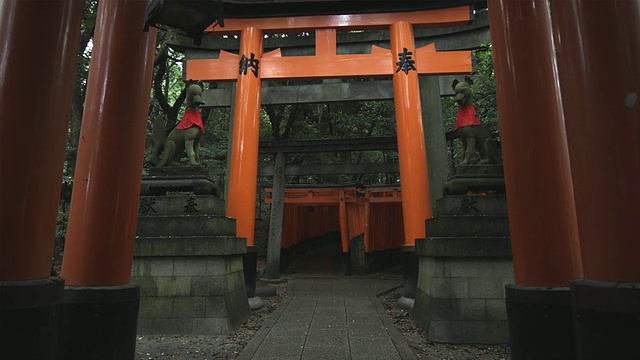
<point x="190" y="295"/>
<point x="188" y="263"/>
<point x="461" y="300"/>
<point x="463" y="270"/>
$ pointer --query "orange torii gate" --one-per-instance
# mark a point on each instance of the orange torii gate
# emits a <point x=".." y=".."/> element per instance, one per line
<point x="403" y="62"/>
<point x="353" y="212"/>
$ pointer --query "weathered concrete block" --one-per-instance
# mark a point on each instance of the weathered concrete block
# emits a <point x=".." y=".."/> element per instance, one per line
<point x="237" y="307"/>
<point x="464" y="226"/>
<point x="440" y="309"/>
<point x="478" y="267"/>
<point x="233" y="264"/>
<point x="208" y="285"/>
<point x="173" y="286"/>
<point x="432" y="266"/>
<point x="445" y="331"/>
<point x="496" y="309"/>
<point x="189" y="264"/>
<point x="152" y="267"/>
<point x="485" y="288"/>
<point x="172" y="326"/>
<point x="450" y="288"/>
<point x="166" y="246"/>
<point x="145" y="325"/>
<point x="155" y="307"/>
<point x="209" y="326"/>
<point x="192" y="307"/>
<point x="180" y="205"/>
<point x="470" y="246"/>
<point x="235" y="281"/>
<point x="216" y="307"/>
<point x="185" y="225"/>
<point x="148" y="286"/>
<point x="471" y="309"/>
<point x="199" y="266"/>
<point x="485" y="332"/>
<point x="495" y="205"/>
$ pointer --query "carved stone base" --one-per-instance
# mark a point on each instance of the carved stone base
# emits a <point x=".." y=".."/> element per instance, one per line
<point x="477" y="179"/>
<point x="464" y="264"/>
<point x="162" y="180"/>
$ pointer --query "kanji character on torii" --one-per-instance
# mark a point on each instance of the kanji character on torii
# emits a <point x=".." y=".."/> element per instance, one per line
<point x="403" y="62"/>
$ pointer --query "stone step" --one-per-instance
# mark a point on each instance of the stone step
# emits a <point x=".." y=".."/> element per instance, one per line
<point x="161" y="185"/>
<point x="462" y="185"/>
<point x="189" y="246"/>
<point x="487" y="246"/>
<point x="495" y="205"/>
<point x="185" y="225"/>
<point x="181" y="205"/>
<point x="467" y="225"/>
<point x="479" y="170"/>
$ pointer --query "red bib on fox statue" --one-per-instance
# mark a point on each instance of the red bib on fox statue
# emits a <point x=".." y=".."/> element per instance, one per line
<point x="191" y="118"/>
<point x="466" y="116"/>
<point x="470" y="130"/>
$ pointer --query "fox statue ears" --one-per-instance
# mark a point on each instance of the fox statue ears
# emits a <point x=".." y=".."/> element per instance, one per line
<point x="456" y="82"/>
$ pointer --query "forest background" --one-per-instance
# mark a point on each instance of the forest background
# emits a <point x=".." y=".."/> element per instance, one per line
<point x="278" y="122"/>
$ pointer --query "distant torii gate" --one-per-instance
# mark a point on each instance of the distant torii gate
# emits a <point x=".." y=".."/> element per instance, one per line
<point x="403" y="62"/>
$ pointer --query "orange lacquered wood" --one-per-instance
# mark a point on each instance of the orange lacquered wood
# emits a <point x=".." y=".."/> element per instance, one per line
<point x="457" y="16"/>
<point x="540" y="198"/>
<point x="600" y="82"/>
<point x="381" y="62"/>
<point x="36" y="83"/>
<point x="411" y="149"/>
<point x="243" y="170"/>
<point x="325" y="42"/>
<point x="106" y="191"/>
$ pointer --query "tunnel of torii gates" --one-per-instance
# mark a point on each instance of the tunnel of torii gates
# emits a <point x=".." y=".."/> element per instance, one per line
<point x="373" y="212"/>
<point x="567" y="87"/>
<point x="403" y="62"/>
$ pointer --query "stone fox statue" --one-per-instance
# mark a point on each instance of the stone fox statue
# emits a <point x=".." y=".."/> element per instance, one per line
<point x="168" y="150"/>
<point x="472" y="133"/>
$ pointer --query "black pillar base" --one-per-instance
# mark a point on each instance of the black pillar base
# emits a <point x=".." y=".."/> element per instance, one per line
<point x="346" y="263"/>
<point x="250" y="265"/>
<point x="540" y="325"/>
<point x="99" y="323"/>
<point x="606" y="318"/>
<point x="410" y="272"/>
<point x="30" y="318"/>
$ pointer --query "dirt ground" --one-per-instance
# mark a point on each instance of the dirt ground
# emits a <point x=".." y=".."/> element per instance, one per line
<point x="151" y="347"/>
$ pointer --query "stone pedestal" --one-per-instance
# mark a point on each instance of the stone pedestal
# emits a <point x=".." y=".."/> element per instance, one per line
<point x="476" y="179"/>
<point x="464" y="265"/>
<point x="189" y="264"/>
<point x="193" y="179"/>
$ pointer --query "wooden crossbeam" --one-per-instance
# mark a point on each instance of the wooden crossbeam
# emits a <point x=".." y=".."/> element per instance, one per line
<point x="379" y="63"/>
<point x="326" y="63"/>
<point x="455" y="16"/>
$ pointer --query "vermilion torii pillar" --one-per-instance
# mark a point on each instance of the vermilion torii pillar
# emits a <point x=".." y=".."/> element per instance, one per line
<point x="244" y="148"/>
<point x="416" y="207"/>
<point x="39" y="41"/>
<point x="243" y="170"/>
<point x="100" y="305"/>
<point x="598" y="47"/>
<point x="540" y="200"/>
<point x="327" y="64"/>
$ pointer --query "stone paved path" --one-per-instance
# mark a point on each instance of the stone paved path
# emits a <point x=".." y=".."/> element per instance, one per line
<point x="333" y="317"/>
